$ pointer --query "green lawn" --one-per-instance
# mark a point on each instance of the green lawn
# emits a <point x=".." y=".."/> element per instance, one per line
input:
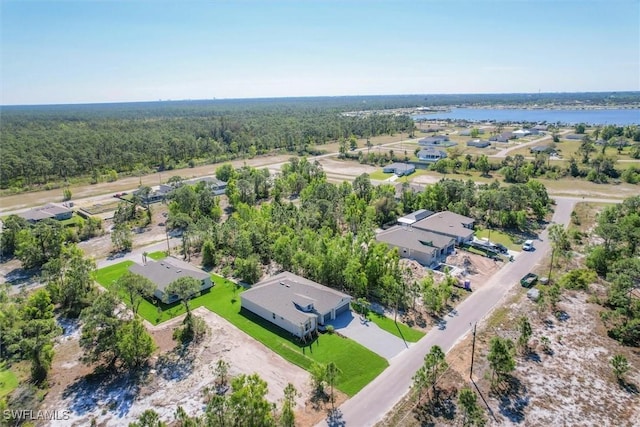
<point x="497" y="236"/>
<point x="8" y="381"/>
<point x="398" y="329"/>
<point x="380" y="176"/>
<point x="358" y="365"/>
<point x="157" y="255"/>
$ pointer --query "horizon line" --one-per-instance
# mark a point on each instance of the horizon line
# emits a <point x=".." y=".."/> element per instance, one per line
<point x="314" y="96"/>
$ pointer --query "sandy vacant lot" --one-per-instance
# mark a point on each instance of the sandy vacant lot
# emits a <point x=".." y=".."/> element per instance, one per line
<point x="175" y="378"/>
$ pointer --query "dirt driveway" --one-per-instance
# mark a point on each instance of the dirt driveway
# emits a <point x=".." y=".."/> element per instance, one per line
<point x="176" y="379"/>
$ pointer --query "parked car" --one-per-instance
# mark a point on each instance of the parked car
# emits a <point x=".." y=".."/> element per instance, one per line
<point x="527" y="245"/>
<point x="529" y="280"/>
<point x="502" y="248"/>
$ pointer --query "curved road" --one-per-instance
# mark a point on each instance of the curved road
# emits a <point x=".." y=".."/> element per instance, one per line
<point x="375" y="400"/>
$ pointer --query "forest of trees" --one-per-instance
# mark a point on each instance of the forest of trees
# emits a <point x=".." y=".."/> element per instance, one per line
<point x="41" y="145"/>
<point x="325" y="232"/>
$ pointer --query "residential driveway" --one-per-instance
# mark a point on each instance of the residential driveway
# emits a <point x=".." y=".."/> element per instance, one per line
<point x="369" y="335"/>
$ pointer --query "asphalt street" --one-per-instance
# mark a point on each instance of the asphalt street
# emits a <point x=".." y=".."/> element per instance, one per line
<point x="376" y="399"/>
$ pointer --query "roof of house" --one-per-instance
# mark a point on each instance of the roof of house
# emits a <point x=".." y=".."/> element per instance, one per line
<point x="447" y="223"/>
<point x="400" y="166"/>
<point x="478" y="143"/>
<point x="281" y="293"/>
<point x="574" y="136"/>
<point x="49" y="210"/>
<point x="431" y="152"/>
<point x="433" y="139"/>
<point x="415" y="216"/>
<point x="541" y="149"/>
<point x="207" y="179"/>
<point x="414" y="239"/>
<point x="166" y="271"/>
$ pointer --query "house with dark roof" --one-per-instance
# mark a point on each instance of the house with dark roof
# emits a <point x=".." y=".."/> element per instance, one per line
<point x="542" y="149"/>
<point x="575" y="136"/>
<point x="434" y="141"/>
<point x="504" y="137"/>
<point x="168" y="270"/>
<point x="295" y="304"/>
<point x="48" y="211"/>
<point x="400" y="169"/>
<point x="479" y="143"/>
<point x="426" y="247"/>
<point x="451" y="224"/>
<point x="431" y="155"/>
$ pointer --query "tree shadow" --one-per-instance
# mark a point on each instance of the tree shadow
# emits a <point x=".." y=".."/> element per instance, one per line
<point x="533" y="356"/>
<point x="115" y="390"/>
<point x="442" y="407"/>
<point x="175" y="365"/>
<point x="628" y="386"/>
<point x="513" y="399"/>
<point x="335" y="419"/>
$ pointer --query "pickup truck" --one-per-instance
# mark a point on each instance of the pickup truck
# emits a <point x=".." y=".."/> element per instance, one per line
<point x="529" y="280"/>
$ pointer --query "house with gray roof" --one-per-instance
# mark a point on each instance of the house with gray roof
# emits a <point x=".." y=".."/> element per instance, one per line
<point x="431" y="155"/>
<point x="48" y="211"/>
<point x="478" y="143"/>
<point x="575" y="136"/>
<point x="437" y="140"/>
<point x="414" y="216"/>
<point x="295" y="304"/>
<point x="451" y="224"/>
<point x="400" y="169"/>
<point x="426" y="247"/>
<point x="168" y="270"/>
<point x="542" y="149"/>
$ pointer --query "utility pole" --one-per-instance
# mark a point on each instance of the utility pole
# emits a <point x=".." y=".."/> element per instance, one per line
<point x="473" y="351"/>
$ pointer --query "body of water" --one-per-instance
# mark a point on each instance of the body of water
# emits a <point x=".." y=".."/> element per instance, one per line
<point x="619" y="116"/>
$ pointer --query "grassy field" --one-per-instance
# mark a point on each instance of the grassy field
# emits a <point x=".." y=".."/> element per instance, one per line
<point x="8" y="380"/>
<point x="398" y="329"/>
<point x="358" y="365"/>
<point x="157" y="256"/>
<point x="497" y="236"/>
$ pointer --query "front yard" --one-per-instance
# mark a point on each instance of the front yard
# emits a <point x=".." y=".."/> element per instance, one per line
<point x="358" y="365"/>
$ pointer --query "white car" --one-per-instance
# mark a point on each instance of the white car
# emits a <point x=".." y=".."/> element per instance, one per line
<point x="527" y="245"/>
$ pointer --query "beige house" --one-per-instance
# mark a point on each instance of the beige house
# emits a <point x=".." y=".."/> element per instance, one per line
<point x="426" y="247"/>
<point x="295" y="304"/>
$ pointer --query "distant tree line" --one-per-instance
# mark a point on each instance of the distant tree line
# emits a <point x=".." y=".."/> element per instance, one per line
<point x="39" y="146"/>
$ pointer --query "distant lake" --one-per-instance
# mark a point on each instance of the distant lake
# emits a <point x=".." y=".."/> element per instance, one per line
<point x="618" y="116"/>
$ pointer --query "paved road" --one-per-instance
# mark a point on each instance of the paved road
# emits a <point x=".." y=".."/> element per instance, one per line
<point x="372" y="403"/>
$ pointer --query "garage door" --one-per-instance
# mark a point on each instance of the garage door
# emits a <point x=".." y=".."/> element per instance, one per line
<point x="342" y="309"/>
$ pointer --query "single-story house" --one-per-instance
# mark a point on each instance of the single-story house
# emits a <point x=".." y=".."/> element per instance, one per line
<point x="542" y="149"/>
<point x="154" y="196"/>
<point x="436" y="140"/>
<point x="503" y="137"/>
<point x="414" y="217"/>
<point x="48" y="211"/>
<point x="540" y="128"/>
<point x="426" y="247"/>
<point x="521" y="133"/>
<point x="431" y="155"/>
<point x="400" y="169"/>
<point x="575" y="136"/>
<point x="479" y="143"/>
<point x="168" y="270"/>
<point x="216" y="186"/>
<point x="295" y="304"/>
<point x="450" y="224"/>
<point x="432" y="129"/>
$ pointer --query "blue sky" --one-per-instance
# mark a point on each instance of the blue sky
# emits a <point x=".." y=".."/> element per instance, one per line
<point x="109" y="51"/>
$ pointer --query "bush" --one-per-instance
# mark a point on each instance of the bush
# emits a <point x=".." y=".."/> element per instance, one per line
<point x="330" y="329"/>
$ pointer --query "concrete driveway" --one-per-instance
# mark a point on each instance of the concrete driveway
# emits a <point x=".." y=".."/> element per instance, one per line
<point x="369" y="335"/>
